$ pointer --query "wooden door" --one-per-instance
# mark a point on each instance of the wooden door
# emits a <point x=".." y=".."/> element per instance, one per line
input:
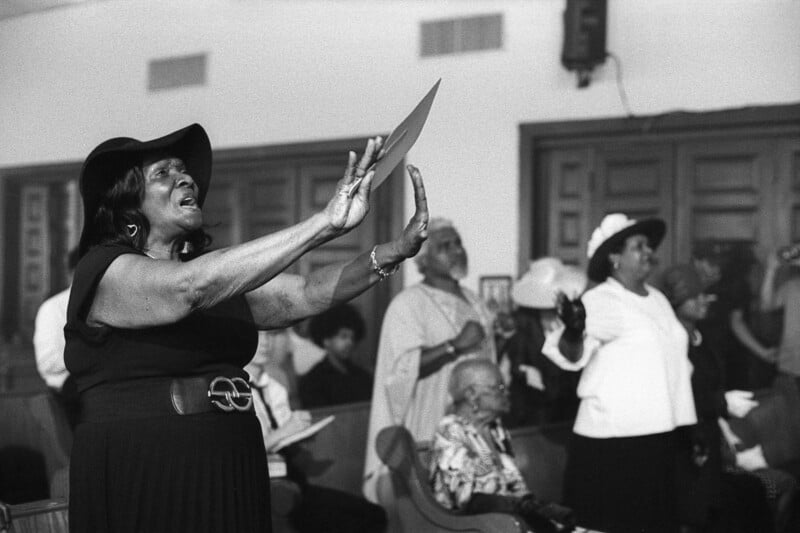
<point x="637" y="180"/>
<point x="787" y="163"/>
<point x="41" y="226"/>
<point x="727" y="192"/>
<point x="252" y="196"/>
<point x="569" y="201"/>
<point x="585" y="184"/>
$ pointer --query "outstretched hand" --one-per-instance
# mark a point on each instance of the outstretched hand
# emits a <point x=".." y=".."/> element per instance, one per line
<point x="571" y="312"/>
<point x="350" y="204"/>
<point x="416" y="231"/>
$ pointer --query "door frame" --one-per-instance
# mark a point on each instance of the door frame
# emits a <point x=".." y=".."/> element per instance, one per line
<point x="762" y="121"/>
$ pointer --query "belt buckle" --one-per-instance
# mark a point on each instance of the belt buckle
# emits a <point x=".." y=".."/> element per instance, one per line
<point x="234" y="393"/>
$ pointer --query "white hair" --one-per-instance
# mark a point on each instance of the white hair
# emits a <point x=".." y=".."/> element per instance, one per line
<point x="434" y="224"/>
<point x="465" y="375"/>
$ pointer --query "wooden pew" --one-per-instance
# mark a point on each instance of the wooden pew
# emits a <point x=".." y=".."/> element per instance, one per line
<point x="43" y="516"/>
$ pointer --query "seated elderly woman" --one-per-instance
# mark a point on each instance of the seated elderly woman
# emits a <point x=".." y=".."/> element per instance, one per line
<point x="472" y="464"/>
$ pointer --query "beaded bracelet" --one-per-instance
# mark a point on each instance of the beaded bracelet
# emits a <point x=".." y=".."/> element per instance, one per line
<point x="376" y="267"/>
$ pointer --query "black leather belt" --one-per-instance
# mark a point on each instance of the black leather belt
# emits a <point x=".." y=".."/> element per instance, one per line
<point x="150" y="397"/>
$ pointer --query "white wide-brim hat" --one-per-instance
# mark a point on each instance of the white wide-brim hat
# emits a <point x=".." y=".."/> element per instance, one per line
<point x="538" y="288"/>
<point x="612" y="232"/>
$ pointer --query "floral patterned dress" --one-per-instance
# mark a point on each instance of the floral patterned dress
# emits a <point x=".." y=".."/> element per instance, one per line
<point x="464" y="463"/>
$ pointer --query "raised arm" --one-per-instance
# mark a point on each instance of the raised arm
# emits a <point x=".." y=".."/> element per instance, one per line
<point x="289" y="298"/>
<point x="136" y="291"/>
<point x="742" y="332"/>
<point x="767" y="294"/>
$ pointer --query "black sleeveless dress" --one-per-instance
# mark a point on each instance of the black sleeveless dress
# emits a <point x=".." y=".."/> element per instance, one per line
<point x="163" y="471"/>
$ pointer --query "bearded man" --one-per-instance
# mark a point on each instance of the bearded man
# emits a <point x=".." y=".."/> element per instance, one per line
<point x="427" y="328"/>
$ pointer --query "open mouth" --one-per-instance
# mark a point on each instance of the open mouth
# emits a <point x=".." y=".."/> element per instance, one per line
<point x="189" y="201"/>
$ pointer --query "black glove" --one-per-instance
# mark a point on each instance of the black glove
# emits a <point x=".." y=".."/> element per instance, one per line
<point x="573" y="314"/>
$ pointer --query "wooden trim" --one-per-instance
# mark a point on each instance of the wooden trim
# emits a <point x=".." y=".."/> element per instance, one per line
<point x="292" y="150"/>
<point x="525" y="201"/>
<point x="673" y="122"/>
<point x="778" y="120"/>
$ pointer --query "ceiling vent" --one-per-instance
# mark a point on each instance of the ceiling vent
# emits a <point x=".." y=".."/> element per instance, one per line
<point x="174" y="72"/>
<point x="456" y="36"/>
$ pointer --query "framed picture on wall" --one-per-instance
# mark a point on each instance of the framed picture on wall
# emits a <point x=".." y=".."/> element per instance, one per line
<point x="495" y="291"/>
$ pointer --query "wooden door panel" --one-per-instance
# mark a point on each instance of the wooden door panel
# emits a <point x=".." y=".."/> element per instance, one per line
<point x="636" y="180"/>
<point x="317" y="184"/>
<point x="569" y="191"/>
<point x="220" y="214"/>
<point x="269" y="200"/>
<point x="787" y="228"/>
<point x="725" y="193"/>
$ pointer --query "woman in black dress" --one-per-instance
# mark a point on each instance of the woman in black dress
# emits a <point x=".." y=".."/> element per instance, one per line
<point x="158" y="333"/>
<point x="711" y="499"/>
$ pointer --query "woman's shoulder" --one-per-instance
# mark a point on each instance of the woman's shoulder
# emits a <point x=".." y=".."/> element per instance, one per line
<point x="606" y="291"/>
<point x="103" y="254"/>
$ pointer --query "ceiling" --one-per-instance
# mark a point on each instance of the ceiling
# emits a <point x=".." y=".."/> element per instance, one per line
<point x="18" y="8"/>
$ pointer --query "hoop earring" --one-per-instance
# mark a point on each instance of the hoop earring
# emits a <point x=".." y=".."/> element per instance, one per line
<point x="133" y="229"/>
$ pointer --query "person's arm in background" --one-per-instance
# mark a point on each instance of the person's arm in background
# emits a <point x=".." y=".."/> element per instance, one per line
<point x="743" y="334"/>
<point x="768" y="295"/>
<point x="435" y="357"/>
<point x="48" y="344"/>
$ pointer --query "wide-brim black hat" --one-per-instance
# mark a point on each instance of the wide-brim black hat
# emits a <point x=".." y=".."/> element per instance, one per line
<point x="652" y="228"/>
<point x="109" y="159"/>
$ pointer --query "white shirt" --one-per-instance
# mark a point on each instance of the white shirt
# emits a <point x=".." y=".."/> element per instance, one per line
<point x="48" y="339"/>
<point x="274" y="394"/>
<point x="636" y="372"/>
<point x="419" y="317"/>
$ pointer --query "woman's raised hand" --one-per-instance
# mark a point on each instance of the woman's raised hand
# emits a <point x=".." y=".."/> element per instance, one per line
<point x="416" y="231"/>
<point x="350" y="204"/>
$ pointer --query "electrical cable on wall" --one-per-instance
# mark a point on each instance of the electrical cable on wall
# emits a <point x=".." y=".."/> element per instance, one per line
<point x="621" y="86"/>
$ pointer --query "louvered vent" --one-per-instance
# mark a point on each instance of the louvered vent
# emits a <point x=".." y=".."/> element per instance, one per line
<point x="469" y="34"/>
<point x="174" y="72"/>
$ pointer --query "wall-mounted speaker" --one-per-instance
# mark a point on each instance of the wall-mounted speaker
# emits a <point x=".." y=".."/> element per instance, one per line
<point x="584" y="36"/>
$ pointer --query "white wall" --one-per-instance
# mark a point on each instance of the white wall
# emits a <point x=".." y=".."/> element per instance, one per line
<point x="294" y="71"/>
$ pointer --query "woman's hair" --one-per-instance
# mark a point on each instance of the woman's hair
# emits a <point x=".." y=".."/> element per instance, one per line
<point x="328" y="324"/>
<point x="120" y="207"/>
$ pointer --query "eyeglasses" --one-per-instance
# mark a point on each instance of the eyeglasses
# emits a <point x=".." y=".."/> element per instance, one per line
<point x="500" y="388"/>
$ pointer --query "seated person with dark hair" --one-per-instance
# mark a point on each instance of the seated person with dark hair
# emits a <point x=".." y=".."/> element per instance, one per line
<point x="336" y="379"/>
<point x="472" y="465"/>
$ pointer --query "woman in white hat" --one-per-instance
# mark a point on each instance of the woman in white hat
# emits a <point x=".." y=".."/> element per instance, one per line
<point x="541" y="392"/>
<point x="635" y="390"/>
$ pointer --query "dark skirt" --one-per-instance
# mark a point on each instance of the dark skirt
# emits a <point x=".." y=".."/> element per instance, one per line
<point x="622" y="484"/>
<point x="198" y="473"/>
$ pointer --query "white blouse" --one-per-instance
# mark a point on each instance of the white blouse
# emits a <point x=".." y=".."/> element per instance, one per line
<point x="636" y="372"/>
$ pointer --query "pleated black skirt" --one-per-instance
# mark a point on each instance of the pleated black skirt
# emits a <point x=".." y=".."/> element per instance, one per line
<point x="623" y="485"/>
<point x="198" y="473"/>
